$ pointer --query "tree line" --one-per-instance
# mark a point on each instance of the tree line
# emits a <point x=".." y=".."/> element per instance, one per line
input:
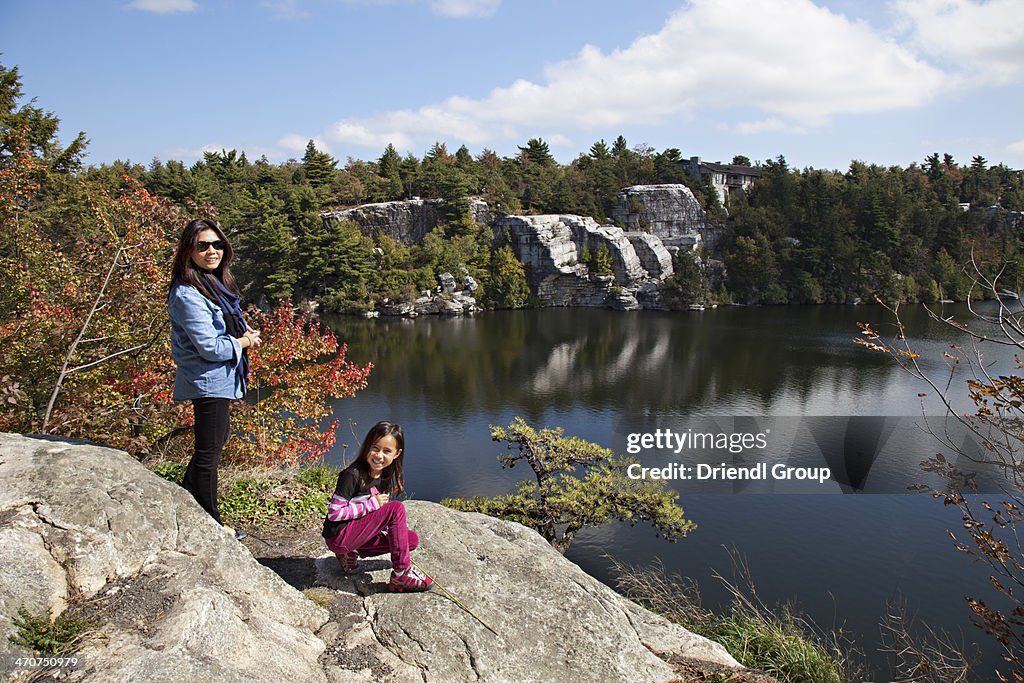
<point x="799" y="236"/>
<point x="901" y="234"/>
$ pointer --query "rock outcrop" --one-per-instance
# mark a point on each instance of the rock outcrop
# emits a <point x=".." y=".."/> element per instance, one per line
<point x="658" y="218"/>
<point x="442" y="303"/>
<point x="551" y="621"/>
<point x="403" y="221"/>
<point x="654" y="257"/>
<point x="551" y="249"/>
<point x="177" y="597"/>
<point x="669" y="212"/>
<point x="406" y="221"/>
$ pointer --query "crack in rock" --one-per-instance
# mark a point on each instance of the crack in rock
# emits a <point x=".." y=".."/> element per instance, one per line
<point x="472" y="657"/>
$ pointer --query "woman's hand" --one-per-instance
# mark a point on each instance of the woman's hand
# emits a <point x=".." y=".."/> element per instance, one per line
<point x="250" y="339"/>
<point x="382" y="498"/>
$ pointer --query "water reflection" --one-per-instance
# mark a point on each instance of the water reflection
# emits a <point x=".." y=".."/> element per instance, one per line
<point x="736" y="361"/>
<point x="841" y="557"/>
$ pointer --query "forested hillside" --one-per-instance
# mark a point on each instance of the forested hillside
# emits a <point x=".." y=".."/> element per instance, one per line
<point x="800" y="236"/>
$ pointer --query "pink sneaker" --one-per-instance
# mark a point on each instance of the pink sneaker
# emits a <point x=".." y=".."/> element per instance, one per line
<point x="410" y="581"/>
<point x="349" y="563"/>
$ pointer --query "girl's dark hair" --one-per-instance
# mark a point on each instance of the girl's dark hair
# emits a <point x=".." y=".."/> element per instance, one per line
<point x="391" y="478"/>
<point x="185" y="271"/>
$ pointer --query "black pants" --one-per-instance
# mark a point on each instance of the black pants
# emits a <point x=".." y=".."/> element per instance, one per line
<point x="211" y="429"/>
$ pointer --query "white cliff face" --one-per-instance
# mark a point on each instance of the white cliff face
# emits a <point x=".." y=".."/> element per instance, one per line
<point x="669" y="212"/>
<point x="551" y="248"/>
<point x="654" y="257"/>
<point x="658" y="220"/>
<point x="406" y="221"/>
<point x="403" y="221"/>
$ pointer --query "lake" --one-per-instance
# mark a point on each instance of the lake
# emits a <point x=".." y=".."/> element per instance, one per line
<point x="839" y="550"/>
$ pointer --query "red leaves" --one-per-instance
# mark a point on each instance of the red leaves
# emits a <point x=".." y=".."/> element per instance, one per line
<point x="85" y="320"/>
<point x="294" y="373"/>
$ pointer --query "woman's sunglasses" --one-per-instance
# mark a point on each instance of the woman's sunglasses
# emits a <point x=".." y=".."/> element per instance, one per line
<point x="203" y="246"/>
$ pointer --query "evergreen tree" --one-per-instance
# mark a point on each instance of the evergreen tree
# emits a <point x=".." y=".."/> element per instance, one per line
<point x="319" y="167"/>
<point x="268" y="250"/>
<point x="496" y="191"/>
<point x="389" y="168"/>
<point x="454" y="190"/>
<point x="603" y="183"/>
<point x="601" y="263"/>
<point x="409" y="171"/>
<point x="688" y="284"/>
<point x="39" y="127"/>
<point x="507" y="287"/>
<point x="538" y="173"/>
<point x="620" y="148"/>
<point x="577" y="484"/>
<point x="752" y="274"/>
<point x="394" y="279"/>
<point x="668" y="167"/>
<point x="350" y="267"/>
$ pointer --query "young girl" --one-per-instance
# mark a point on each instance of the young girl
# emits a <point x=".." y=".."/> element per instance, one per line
<point x="363" y="521"/>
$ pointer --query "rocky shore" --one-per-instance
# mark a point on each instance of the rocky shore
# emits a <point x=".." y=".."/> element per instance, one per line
<point x="173" y="597"/>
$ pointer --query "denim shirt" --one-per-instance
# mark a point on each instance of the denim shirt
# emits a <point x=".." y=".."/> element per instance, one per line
<point x="206" y="356"/>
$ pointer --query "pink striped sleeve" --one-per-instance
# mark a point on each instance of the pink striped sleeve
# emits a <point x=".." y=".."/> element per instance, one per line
<point x="342" y="509"/>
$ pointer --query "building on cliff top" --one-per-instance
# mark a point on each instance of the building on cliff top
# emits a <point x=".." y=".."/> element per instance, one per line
<point x="725" y="178"/>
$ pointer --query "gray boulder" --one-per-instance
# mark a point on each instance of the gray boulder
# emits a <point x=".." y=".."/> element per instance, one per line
<point x="177" y="597"/>
<point x="447" y="282"/>
<point x="654" y="257"/>
<point x="433" y="303"/>
<point x="552" y="621"/>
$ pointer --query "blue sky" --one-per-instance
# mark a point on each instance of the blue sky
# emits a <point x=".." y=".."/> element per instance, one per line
<point x="821" y="82"/>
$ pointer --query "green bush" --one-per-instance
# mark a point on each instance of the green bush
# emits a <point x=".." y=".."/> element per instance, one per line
<point x="46" y="638"/>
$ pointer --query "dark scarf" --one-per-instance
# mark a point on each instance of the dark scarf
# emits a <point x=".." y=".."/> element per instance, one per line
<point x="230" y="305"/>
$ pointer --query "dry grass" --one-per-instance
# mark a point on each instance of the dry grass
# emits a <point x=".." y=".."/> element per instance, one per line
<point x="780" y="641"/>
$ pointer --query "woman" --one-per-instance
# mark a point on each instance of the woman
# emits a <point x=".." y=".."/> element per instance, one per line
<point x="209" y="342"/>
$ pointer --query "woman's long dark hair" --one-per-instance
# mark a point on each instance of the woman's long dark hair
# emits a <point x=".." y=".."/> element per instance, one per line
<point x="185" y="271"/>
<point x="391" y="478"/>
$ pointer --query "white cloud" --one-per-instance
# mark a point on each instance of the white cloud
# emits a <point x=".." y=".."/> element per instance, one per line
<point x="794" y="61"/>
<point x="191" y="152"/>
<point x="465" y="8"/>
<point x="458" y="9"/>
<point x="983" y="41"/>
<point x="1016" y="147"/>
<point x="163" y="6"/>
<point x="559" y="140"/>
<point x="297" y="143"/>
<point x="289" y="10"/>
<point x="772" y="125"/>
<point x="252" y="152"/>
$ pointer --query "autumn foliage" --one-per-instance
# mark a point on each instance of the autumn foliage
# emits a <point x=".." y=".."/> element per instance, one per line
<point x="991" y="529"/>
<point x="293" y="373"/>
<point x="85" y="335"/>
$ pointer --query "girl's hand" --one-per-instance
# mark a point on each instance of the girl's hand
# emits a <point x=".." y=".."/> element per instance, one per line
<point x="382" y="498"/>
